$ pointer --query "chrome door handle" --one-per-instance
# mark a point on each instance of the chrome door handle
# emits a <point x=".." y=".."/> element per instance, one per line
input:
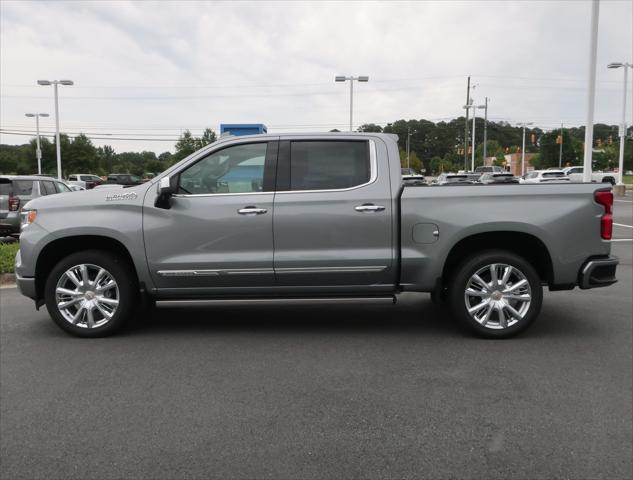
<point x="251" y="211"/>
<point x="369" y="208"/>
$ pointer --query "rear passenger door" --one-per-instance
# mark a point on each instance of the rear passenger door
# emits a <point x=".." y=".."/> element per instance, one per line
<point x="333" y="215"/>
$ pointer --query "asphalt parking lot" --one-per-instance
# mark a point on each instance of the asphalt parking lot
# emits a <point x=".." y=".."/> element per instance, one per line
<point x="321" y="391"/>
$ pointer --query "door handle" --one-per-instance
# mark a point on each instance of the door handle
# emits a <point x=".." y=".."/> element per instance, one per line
<point x="368" y="207"/>
<point x="251" y="211"/>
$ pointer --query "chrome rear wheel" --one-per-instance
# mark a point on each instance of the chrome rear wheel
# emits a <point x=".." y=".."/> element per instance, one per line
<point x="498" y="296"/>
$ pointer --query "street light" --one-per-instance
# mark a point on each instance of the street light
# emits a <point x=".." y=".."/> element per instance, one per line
<point x="342" y="78"/>
<point x="38" y="151"/>
<point x="474" y="107"/>
<point x="626" y="66"/>
<point x="524" y="124"/>
<point x="57" y="145"/>
<point x="409" y="132"/>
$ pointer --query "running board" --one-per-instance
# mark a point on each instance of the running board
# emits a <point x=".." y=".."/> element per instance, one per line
<point x="278" y="300"/>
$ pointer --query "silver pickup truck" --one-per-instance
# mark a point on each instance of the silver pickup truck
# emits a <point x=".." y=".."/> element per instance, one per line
<point x="311" y="216"/>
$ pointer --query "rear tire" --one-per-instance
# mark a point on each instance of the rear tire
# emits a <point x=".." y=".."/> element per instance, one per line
<point x="495" y="294"/>
<point x="90" y="294"/>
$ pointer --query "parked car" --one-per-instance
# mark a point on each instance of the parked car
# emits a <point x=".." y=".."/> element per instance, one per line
<point x="453" y="179"/>
<point x="311" y="216"/>
<point x="411" y="177"/>
<point x="504" y="177"/>
<point x="575" y="174"/>
<point x="16" y="191"/>
<point x="123" y="179"/>
<point x="84" y="180"/>
<point x="545" y="176"/>
<point x="486" y="169"/>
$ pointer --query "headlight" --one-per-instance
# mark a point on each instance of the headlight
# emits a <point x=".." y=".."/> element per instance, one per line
<point x="27" y="217"/>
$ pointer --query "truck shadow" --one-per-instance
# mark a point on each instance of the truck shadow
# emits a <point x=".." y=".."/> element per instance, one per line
<point x="413" y="314"/>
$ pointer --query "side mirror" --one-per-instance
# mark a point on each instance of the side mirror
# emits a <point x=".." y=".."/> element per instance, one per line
<point x="167" y="186"/>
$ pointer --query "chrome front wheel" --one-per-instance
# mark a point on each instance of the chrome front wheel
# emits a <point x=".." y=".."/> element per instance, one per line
<point x="87" y="295"/>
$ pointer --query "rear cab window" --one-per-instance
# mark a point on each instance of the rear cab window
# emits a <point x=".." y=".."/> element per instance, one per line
<point x="328" y="165"/>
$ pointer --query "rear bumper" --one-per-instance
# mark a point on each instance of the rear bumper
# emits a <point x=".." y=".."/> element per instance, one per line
<point x="598" y="272"/>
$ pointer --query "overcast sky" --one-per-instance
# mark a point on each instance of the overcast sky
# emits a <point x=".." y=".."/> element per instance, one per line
<point x="150" y="70"/>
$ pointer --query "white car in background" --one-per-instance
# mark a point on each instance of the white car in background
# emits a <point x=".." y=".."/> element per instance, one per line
<point x="575" y="174"/>
<point x="545" y="176"/>
<point x="84" y="180"/>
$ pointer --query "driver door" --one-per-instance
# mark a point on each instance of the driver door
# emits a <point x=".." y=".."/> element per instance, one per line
<point x="218" y="233"/>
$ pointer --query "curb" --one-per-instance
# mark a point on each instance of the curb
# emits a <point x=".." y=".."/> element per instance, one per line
<point x="7" y="279"/>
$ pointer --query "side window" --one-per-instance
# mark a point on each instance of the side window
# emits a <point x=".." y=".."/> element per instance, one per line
<point x="61" y="188"/>
<point x="47" y="188"/>
<point x="237" y="169"/>
<point x="72" y="178"/>
<point x="22" y="187"/>
<point x="328" y="165"/>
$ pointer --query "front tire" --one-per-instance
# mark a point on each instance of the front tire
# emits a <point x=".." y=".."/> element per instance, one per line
<point x="495" y="294"/>
<point x="91" y="293"/>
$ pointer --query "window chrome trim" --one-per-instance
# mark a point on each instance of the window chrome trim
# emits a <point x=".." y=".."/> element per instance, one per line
<point x="195" y="195"/>
<point x="373" y="173"/>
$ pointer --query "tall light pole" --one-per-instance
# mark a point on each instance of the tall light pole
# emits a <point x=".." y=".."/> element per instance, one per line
<point x="591" y="91"/>
<point x="524" y="124"/>
<point x="474" y="107"/>
<point x="57" y="144"/>
<point x="409" y="144"/>
<point x="342" y="78"/>
<point x="485" y="129"/>
<point x="560" y="148"/>
<point x="38" y="151"/>
<point x="622" y="132"/>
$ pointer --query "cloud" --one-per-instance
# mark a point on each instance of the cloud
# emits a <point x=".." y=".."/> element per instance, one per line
<point x="157" y="68"/>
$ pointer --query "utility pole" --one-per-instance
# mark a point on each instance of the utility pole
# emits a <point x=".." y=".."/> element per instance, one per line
<point x="560" y="148"/>
<point x="485" y="130"/>
<point x="524" y="124"/>
<point x="466" y="127"/>
<point x="38" y="151"/>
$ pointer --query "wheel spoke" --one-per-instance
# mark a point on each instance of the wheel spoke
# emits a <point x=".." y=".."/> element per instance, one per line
<point x="107" y="286"/>
<point x="106" y="314"/>
<point x="475" y="293"/>
<point x="516" y="286"/>
<point x="65" y="291"/>
<point x="478" y="307"/>
<point x="481" y="281"/>
<point x="73" y="278"/>
<point x="486" y="317"/>
<point x="99" y="276"/>
<point x="108" y="301"/>
<point x="494" y="280"/>
<point x="513" y="312"/>
<point x="69" y="302"/>
<point x="91" y="319"/>
<point x="84" y="275"/>
<point x="506" y="276"/>
<point x="525" y="297"/>
<point x="503" y="322"/>
<point x="77" y="317"/>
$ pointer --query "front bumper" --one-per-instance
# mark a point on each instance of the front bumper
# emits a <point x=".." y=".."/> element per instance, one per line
<point x="598" y="272"/>
<point x="26" y="285"/>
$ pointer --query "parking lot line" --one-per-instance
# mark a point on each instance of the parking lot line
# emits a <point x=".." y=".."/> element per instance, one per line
<point x="621" y="240"/>
<point x="623" y="225"/>
<point x="624" y="201"/>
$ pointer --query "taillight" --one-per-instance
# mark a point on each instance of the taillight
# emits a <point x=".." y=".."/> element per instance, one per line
<point x="14" y="204"/>
<point x="605" y="198"/>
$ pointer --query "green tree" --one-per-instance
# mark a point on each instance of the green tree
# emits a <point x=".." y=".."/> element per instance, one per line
<point x="370" y="127"/>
